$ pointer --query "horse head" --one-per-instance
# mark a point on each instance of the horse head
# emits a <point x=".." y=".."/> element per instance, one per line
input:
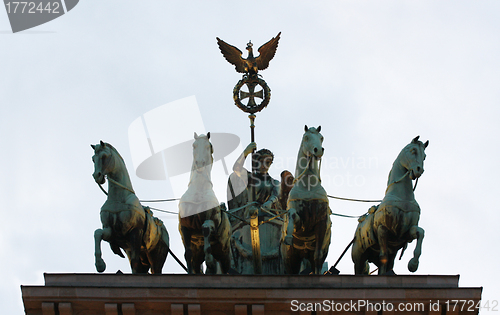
<point x="312" y="143"/>
<point x="202" y="152"/>
<point x="412" y="157"/>
<point x="103" y="161"/>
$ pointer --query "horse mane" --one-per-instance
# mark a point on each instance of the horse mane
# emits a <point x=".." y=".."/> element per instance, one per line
<point x="115" y="151"/>
<point x="407" y="147"/>
<point x="398" y="158"/>
<point x="418" y="142"/>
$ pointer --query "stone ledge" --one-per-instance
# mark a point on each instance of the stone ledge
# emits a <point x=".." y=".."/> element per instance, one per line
<point x="250" y="281"/>
<point x="181" y="294"/>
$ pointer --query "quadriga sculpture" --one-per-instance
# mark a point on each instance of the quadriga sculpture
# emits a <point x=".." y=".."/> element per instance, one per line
<point x="204" y="228"/>
<point x="126" y="224"/>
<point x="392" y="224"/>
<point x="307" y="227"/>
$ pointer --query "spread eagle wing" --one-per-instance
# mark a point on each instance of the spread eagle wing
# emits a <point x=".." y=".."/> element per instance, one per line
<point x="267" y="52"/>
<point x="232" y="54"/>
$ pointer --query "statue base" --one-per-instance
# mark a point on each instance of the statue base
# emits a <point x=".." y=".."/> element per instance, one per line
<point x="180" y="294"/>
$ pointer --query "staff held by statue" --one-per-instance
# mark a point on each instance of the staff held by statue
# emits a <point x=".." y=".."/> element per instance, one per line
<point x="250" y="67"/>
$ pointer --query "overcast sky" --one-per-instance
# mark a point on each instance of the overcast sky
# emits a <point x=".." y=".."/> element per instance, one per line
<point x="373" y="74"/>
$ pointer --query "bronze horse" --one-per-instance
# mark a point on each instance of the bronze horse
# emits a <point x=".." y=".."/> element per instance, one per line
<point x="204" y="227"/>
<point x="125" y="223"/>
<point x="307" y="228"/>
<point x="392" y="224"/>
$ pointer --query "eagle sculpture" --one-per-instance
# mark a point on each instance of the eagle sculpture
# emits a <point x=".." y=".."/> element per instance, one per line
<point x="251" y="65"/>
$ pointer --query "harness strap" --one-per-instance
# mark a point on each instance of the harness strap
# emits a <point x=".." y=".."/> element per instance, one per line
<point x="117" y="184"/>
<point x="120" y="185"/>
<point x="303" y="172"/>
<point x="104" y="191"/>
<point x="305" y="169"/>
<point x="397" y="181"/>
<point x="319" y="170"/>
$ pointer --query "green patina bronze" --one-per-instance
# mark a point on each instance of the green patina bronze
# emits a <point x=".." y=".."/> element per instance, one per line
<point x="307" y="228"/>
<point x="258" y="229"/>
<point x="391" y="225"/>
<point x="250" y="67"/>
<point x="270" y="227"/>
<point x="126" y="224"/>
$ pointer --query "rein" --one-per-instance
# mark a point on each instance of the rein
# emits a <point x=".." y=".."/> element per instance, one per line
<point x="117" y="184"/>
<point x="156" y="200"/>
<point x="306" y="168"/>
<point x="103" y="190"/>
<point x="399" y="180"/>
<point x="303" y="172"/>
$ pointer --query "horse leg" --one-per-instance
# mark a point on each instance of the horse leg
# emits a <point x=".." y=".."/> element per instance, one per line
<point x="416" y="233"/>
<point x="197" y="260"/>
<point x="360" y="257"/>
<point x="158" y="255"/>
<point x="226" y="257"/>
<point x="390" y="261"/>
<point x="383" y="235"/>
<point x="294" y="261"/>
<point x="101" y="234"/>
<point x="222" y="253"/>
<point x="188" y="253"/>
<point x="356" y="255"/>
<point x="151" y="255"/>
<point x="293" y="223"/>
<point x="135" y="251"/>
<point x="320" y="233"/>
<point x="290" y="256"/>
<point x="361" y="266"/>
<point x="208" y="227"/>
<point x="225" y="262"/>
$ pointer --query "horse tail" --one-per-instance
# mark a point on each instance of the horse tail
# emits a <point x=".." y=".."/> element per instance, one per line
<point x="116" y="249"/>
<point x="403" y="250"/>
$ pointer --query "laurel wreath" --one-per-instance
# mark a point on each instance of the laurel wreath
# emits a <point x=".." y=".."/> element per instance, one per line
<point x="249" y="108"/>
